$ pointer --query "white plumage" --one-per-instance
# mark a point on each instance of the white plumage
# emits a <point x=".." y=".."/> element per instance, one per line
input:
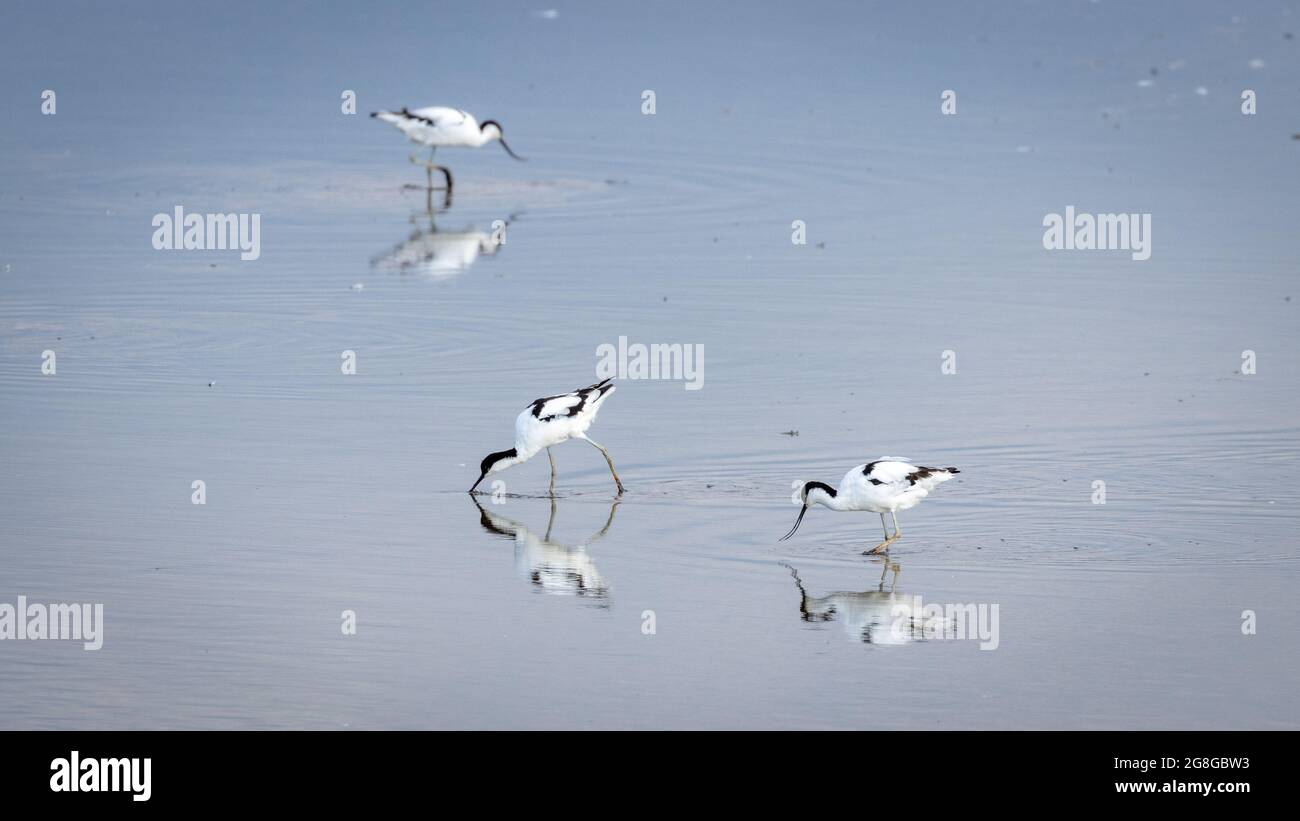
<point x="550" y="421"/>
<point x="886" y="485"/>
<point x="436" y="127"/>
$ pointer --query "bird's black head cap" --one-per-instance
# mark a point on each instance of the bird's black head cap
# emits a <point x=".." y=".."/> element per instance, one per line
<point x="492" y="458"/>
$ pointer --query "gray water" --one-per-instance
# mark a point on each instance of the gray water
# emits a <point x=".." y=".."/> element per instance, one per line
<point x="329" y="492"/>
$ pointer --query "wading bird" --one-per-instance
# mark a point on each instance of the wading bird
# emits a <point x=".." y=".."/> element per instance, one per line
<point x="549" y="421"/>
<point x="884" y="486"/>
<point x="438" y="126"/>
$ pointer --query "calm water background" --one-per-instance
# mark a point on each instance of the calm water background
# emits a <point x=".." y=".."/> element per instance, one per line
<point x="329" y="492"/>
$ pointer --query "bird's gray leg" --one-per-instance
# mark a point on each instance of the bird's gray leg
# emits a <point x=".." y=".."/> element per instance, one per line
<point x="617" y="481"/>
<point x="882" y="546"/>
<point x="446" y="173"/>
<point x="886" y="543"/>
<point x="429" y="168"/>
<point x="897" y="532"/>
<point x="551" y="456"/>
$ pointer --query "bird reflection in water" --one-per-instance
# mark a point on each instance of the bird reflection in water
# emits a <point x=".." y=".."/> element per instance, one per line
<point x="877" y="616"/>
<point x="552" y="567"/>
<point x="437" y="253"/>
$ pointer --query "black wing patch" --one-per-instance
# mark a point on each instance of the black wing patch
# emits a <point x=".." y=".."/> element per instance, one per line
<point x="919" y="474"/>
<point x="912" y="478"/>
<point x="406" y="112"/>
<point x="925" y="473"/>
<point x="583" y="394"/>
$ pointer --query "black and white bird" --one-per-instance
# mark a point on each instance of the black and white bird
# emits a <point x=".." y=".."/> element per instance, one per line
<point x="887" y="485"/>
<point x="549" y="421"/>
<point x="438" y="126"/>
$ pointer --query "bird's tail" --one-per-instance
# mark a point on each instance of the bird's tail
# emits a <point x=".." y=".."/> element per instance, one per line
<point x="388" y="116"/>
<point x="929" y="477"/>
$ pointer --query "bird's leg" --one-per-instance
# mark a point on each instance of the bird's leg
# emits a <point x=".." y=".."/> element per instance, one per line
<point x="428" y="190"/>
<point x="446" y="176"/>
<point x="886" y="543"/>
<point x="617" y="482"/>
<point x="429" y="168"/>
<point x="551" y="456"/>
<point x="882" y="546"/>
<point x="446" y="173"/>
<point x="897" y="532"/>
<point x="415" y="159"/>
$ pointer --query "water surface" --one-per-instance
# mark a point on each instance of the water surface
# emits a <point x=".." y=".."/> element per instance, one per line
<point x="328" y="492"/>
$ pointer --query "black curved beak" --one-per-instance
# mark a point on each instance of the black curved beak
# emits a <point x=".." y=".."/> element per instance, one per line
<point x="796" y="524"/>
<point x="502" y="140"/>
<point x="476" y="484"/>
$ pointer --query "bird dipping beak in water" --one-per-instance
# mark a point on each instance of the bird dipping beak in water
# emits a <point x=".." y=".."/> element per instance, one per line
<point x="549" y="421"/>
<point x="884" y="486"/>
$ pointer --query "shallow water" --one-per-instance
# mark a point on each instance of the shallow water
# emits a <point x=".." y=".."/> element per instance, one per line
<point x="328" y="492"/>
